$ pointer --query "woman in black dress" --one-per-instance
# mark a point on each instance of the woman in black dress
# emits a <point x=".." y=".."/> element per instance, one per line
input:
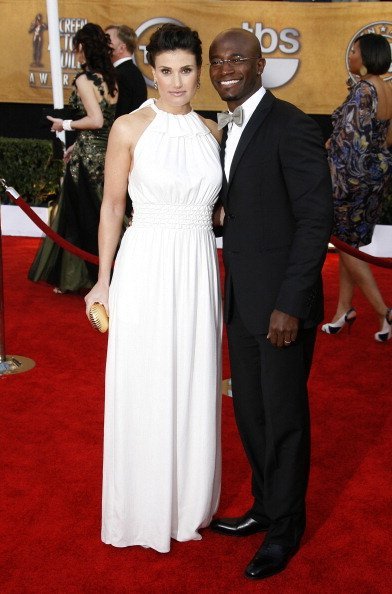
<point x="94" y="100"/>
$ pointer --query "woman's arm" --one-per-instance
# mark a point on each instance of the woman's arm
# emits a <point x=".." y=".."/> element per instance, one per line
<point x="94" y="118"/>
<point x="389" y="135"/>
<point x="351" y="139"/>
<point x="123" y="138"/>
<point x="68" y="153"/>
<point x="117" y="167"/>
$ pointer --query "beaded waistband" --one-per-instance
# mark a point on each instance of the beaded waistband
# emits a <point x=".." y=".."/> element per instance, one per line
<point x="173" y="216"/>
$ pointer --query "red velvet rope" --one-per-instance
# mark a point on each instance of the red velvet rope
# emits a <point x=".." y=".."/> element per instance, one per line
<point x="344" y="247"/>
<point x="18" y="200"/>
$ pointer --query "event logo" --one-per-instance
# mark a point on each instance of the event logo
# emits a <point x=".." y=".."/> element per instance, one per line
<point x="37" y="29"/>
<point x="382" y="28"/>
<point x="277" y="71"/>
<point x="143" y="33"/>
<point x="40" y="75"/>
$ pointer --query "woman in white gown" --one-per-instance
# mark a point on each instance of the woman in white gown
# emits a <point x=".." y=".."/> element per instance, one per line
<point x="161" y="476"/>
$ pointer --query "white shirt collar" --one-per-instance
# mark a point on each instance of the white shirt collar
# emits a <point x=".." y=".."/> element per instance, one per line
<point x="234" y="132"/>
<point x="250" y="105"/>
<point x="121" y="60"/>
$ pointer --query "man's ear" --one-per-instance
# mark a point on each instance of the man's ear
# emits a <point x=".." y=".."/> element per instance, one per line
<point x="260" y="65"/>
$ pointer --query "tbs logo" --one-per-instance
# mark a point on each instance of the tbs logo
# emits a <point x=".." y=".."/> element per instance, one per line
<point x="277" y="71"/>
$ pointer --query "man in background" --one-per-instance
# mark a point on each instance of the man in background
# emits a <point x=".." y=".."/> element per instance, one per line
<point x="132" y="89"/>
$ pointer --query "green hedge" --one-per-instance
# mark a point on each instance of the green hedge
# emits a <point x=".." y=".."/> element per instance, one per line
<point x="29" y="166"/>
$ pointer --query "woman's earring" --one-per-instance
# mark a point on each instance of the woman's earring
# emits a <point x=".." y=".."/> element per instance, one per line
<point x="363" y="70"/>
<point x="198" y="83"/>
<point x="155" y="85"/>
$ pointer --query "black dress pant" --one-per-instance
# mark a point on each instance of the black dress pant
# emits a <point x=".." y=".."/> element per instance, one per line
<point x="272" y="413"/>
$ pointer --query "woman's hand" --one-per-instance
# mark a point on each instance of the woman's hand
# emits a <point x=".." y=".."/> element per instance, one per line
<point x="328" y="144"/>
<point x="98" y="294"/>
<point x="57" y="124"/>
<point x="68" y="153"/>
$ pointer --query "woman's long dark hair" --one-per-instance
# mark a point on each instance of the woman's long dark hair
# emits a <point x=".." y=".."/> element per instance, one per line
<point x="97" y="52"/>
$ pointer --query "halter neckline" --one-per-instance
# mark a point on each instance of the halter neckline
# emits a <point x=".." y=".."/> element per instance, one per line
<point x="157" y="109"/>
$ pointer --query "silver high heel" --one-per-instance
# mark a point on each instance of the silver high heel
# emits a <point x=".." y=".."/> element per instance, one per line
<point x="386" y="330"/>
<point x="336" y="327"/>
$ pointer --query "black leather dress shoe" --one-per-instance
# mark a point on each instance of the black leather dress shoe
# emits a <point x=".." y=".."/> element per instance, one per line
<point x="243" y="526"/>
<point x="269" y="560"/>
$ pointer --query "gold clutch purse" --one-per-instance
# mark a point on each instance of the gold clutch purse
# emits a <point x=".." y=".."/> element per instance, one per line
<point x="98" y="317"/>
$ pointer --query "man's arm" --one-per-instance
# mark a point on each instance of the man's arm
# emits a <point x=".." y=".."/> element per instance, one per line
<point x="308" y="181"/>
<point x="132" y="90"/>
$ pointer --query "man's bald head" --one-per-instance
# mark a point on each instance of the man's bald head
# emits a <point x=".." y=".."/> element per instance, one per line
<point x="236" y="65"/>
<point x="239" y="34"/>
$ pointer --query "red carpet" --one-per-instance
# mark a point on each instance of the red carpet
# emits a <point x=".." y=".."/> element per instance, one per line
<point x="51" y="441"/>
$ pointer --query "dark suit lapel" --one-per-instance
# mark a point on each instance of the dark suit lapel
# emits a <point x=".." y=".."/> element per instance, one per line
<point x="254" y="123"/>
<point x="222" y="159"/>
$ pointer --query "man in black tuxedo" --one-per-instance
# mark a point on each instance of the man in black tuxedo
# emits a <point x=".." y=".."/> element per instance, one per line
<point x="132" y="89"/>
<point x="277" y="200"/>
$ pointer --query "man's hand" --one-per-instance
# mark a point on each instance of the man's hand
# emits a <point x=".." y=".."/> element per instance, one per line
<point x="283" y="329"/>
<point x="218" y="217"/>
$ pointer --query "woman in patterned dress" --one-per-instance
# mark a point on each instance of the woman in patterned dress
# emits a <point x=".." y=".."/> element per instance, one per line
<point x="361" y="169"/>
<point x="94" y="101"/>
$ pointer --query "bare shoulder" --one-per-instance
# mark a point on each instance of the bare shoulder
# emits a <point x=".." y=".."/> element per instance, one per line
<point x="81" y="81"/>
<point x="213" y="128"/>
<point x="135" y="119"/>
<point x="80" y="77"/>
<point x="388" y="88"/>
<point x="84" y="79"/>
<point x="129" y="127"/>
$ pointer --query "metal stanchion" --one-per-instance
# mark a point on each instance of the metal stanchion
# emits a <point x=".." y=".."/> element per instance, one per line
<point x="9" y="364"/>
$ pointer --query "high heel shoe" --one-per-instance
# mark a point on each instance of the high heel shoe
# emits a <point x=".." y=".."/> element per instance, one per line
<point x="336" y="327"/>
<point x="386" y="330"/>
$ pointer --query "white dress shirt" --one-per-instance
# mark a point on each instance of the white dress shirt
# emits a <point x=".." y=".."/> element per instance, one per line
<point x="234" y="132"/>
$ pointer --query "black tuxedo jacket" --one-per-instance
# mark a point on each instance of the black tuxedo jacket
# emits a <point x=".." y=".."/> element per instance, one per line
<point x="279" y="212"/>
<point x="132" y="89"/>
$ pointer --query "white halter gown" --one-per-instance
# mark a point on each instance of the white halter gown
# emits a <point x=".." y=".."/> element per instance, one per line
<point x="162" y="457"/>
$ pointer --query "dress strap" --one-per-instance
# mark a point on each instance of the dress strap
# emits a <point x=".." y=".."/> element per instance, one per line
<point x="96" y="78"/>
<point x="148" y="103"/>
<point x="151" y="103"/>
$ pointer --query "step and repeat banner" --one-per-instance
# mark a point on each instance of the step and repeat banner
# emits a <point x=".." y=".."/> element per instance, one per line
<point x="305" y="44"/>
